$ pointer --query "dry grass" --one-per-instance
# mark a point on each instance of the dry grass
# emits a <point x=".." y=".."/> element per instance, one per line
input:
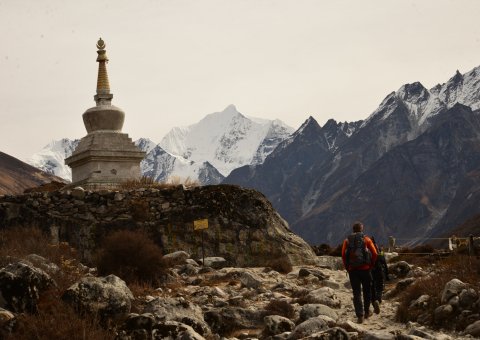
<point x="57" y="320"/>
<point x="132" y="256"/>
<point x="18" y="242"/>
<point x="54" y="319"/>
<point x="459" y="266"/>
<point x="148" y="182"/>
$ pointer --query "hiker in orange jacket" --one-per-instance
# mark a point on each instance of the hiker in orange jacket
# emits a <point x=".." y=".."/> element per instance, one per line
<point x="359" y="255"/>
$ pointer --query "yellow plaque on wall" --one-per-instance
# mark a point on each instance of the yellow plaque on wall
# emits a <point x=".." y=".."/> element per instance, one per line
<point x="200" y="224"/>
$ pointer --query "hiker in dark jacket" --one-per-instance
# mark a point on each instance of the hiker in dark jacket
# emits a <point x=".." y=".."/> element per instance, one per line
<point x="359" y="256"/>
<point x="379" y="275"/>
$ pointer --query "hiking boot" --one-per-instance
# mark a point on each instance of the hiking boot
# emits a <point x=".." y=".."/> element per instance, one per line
<point x="376" y="307"/>
<point x="367" y="315"/>
<point x="360" y="319"/>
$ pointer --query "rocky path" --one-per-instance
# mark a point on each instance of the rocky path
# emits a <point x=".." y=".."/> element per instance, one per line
<point x="377" y="324"/>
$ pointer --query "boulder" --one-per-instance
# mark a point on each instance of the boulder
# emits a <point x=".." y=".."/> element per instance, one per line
<point x="249" y="280"/>
<point x="335" y="333"/>
<point x="276" y="324"/>
<point x="421" y="302"/>
<point x="309" y="327"/>
<point x="303" y="272"/>
<point x="422" y="333"/>
<point x="172" y="330"/>
<point x="442" y="313"/>
<point x="174" y="309"/>
<point x="227" y="319"/>
<point x="313" y="310"/>
<point x="452" y="288"/>
<point x="42" y="263"/>
<point x="21" y="285"/>
<point x="214" y="262"/>
<point x="400" y="268"/>
<point x="377" y="335"/>
<point x="136" y="322"/>
<point x="175" y="258"/>
<point x="188" y="270"/>
<point x="468" y="297"/>
<point x="473" y="329"/>
<point x="325" y="296"/>
<point x="107" y="296"/>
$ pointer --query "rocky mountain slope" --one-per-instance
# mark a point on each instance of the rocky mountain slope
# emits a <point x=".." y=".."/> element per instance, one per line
<point x="325" y="198"/>
<point x="16" y="176"/>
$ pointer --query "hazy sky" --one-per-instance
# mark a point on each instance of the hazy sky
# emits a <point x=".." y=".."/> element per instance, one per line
<point x="173" y="62"/>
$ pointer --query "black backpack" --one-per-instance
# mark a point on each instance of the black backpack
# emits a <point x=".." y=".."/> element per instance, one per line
<point x="357" y="253"/>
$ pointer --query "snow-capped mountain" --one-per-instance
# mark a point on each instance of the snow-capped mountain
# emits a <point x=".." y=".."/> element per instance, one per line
<point x="162" y="166"/>
<point x="226" y="139"/>
<point x="423" y="104"/>
<point x="145" y="144"/>
<point x="51" y="158"/>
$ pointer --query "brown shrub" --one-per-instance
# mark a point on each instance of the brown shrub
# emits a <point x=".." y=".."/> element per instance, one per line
<point x="457" y="266"/>
<point x="280" y="307"/>
<point x="132" y="256"/>
<point x="281" y="265"/>
<point x="54" y="319"/>
<point x="57" y="320"/>
<point x="18" y="242"/>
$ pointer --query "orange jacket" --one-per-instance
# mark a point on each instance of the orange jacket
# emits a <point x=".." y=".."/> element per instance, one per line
<point x="369" y="244"/>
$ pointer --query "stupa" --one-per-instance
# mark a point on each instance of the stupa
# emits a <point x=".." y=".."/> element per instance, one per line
<point x="105" y="157"/>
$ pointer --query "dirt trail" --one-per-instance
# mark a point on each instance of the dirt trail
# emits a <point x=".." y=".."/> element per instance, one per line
<point x="377" y="323"/>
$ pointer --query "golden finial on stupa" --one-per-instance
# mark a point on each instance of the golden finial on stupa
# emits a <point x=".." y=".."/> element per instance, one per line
<point x="103" y="85"/>
<point x="101" y="44"/>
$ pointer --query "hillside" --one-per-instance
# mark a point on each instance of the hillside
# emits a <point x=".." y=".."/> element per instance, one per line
<point x="16" y="176"/>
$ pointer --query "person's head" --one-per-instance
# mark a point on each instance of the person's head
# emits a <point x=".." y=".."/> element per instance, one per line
<point x="357" y="227"/>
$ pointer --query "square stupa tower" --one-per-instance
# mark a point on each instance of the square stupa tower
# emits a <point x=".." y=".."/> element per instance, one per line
<point x="105" y="157"/>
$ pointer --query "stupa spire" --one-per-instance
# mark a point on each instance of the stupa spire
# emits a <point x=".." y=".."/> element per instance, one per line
<point x="103" y="96"/>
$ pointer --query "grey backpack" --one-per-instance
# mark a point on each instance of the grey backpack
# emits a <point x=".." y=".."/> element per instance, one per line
<point x="357" y="253"/>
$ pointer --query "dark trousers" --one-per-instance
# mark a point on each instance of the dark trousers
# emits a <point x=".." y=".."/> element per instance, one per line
<point x="361" y="282"/>
<point x="377" y="285"/>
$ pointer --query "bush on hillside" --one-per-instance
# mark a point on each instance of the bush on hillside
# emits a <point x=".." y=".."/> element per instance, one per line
<point x="465" y="268"/>
<point x="132" y="256"/>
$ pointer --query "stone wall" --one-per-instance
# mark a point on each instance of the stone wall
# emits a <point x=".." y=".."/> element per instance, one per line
<point x="243" y="226"/>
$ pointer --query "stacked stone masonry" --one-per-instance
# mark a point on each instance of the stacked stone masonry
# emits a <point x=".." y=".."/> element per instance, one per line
<point x="243" y="226"/>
